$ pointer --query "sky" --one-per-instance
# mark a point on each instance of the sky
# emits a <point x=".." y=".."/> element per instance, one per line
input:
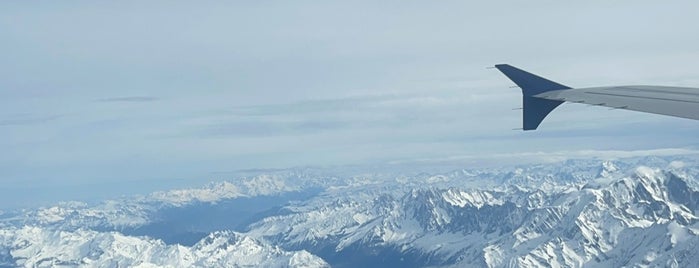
<point x="100" y="99"/>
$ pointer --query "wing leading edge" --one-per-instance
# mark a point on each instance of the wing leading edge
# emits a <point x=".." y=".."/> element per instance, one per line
<point x="540" y="96"/>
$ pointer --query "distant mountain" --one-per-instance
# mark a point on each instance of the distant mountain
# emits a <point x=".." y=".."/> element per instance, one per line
<point x="637" y="212"/>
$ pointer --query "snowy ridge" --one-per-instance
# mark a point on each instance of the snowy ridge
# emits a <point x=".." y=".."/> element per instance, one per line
<point x="639" y="212"/>
<point x="568" y="224"/>
<point x="138" y="211"/>
<point x="258" y="185"/>
<point x="34" y="246"/>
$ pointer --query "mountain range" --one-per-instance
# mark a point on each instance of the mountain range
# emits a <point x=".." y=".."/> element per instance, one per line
<point x="634" y="212"/>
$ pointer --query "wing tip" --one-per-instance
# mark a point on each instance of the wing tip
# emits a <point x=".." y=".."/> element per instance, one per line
<point x="534" y="109"/>
<point x="501" y="65"/>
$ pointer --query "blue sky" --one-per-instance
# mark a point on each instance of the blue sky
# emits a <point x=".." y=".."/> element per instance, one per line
<point x="104" y="99"/>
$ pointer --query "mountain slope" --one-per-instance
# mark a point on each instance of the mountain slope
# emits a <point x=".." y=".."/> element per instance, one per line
<point x="578" y="213"/>
<point x="34" y="246"/>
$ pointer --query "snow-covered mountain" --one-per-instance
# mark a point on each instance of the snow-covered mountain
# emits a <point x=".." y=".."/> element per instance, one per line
<point x="35" y="246"/>
<point x="600" y="222"/>
<point x="639" y="212"/>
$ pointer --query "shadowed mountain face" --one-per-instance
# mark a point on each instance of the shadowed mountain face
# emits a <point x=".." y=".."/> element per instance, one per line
<point x="572" y="214"/>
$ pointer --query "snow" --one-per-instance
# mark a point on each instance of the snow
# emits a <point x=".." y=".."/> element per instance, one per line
<point x="677" y="233"/>
<point x="573" y="214"/>
<point x="36" y="246"/>
<point x="493" y="256"/>
<point x="474" y="198"/>
<point x="211" y="193"/>
<point x="361" y="218"/>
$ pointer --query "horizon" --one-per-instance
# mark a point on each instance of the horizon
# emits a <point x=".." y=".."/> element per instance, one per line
<point x="393" y="169"/>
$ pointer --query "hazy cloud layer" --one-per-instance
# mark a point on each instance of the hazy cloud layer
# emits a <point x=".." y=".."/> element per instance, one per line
<point x="129" y="99"/>
<point x="26" y="119"/>
<point x="102" y="93"/>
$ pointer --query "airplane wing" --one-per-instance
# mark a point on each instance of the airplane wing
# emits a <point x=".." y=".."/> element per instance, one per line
<point x="540" y="96"/>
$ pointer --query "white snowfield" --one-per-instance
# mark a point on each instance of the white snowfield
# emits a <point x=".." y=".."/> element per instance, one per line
<point x="35" y="246"/>
<point x="638" y="212"/>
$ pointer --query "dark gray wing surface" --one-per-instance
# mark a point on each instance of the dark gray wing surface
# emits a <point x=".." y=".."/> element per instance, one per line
<point x="541" y="96"/>
<point x="673" y="101"/>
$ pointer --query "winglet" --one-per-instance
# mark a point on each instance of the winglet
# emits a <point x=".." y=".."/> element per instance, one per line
<point x="531" y="84"/>
<point x="534" y="109"/>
